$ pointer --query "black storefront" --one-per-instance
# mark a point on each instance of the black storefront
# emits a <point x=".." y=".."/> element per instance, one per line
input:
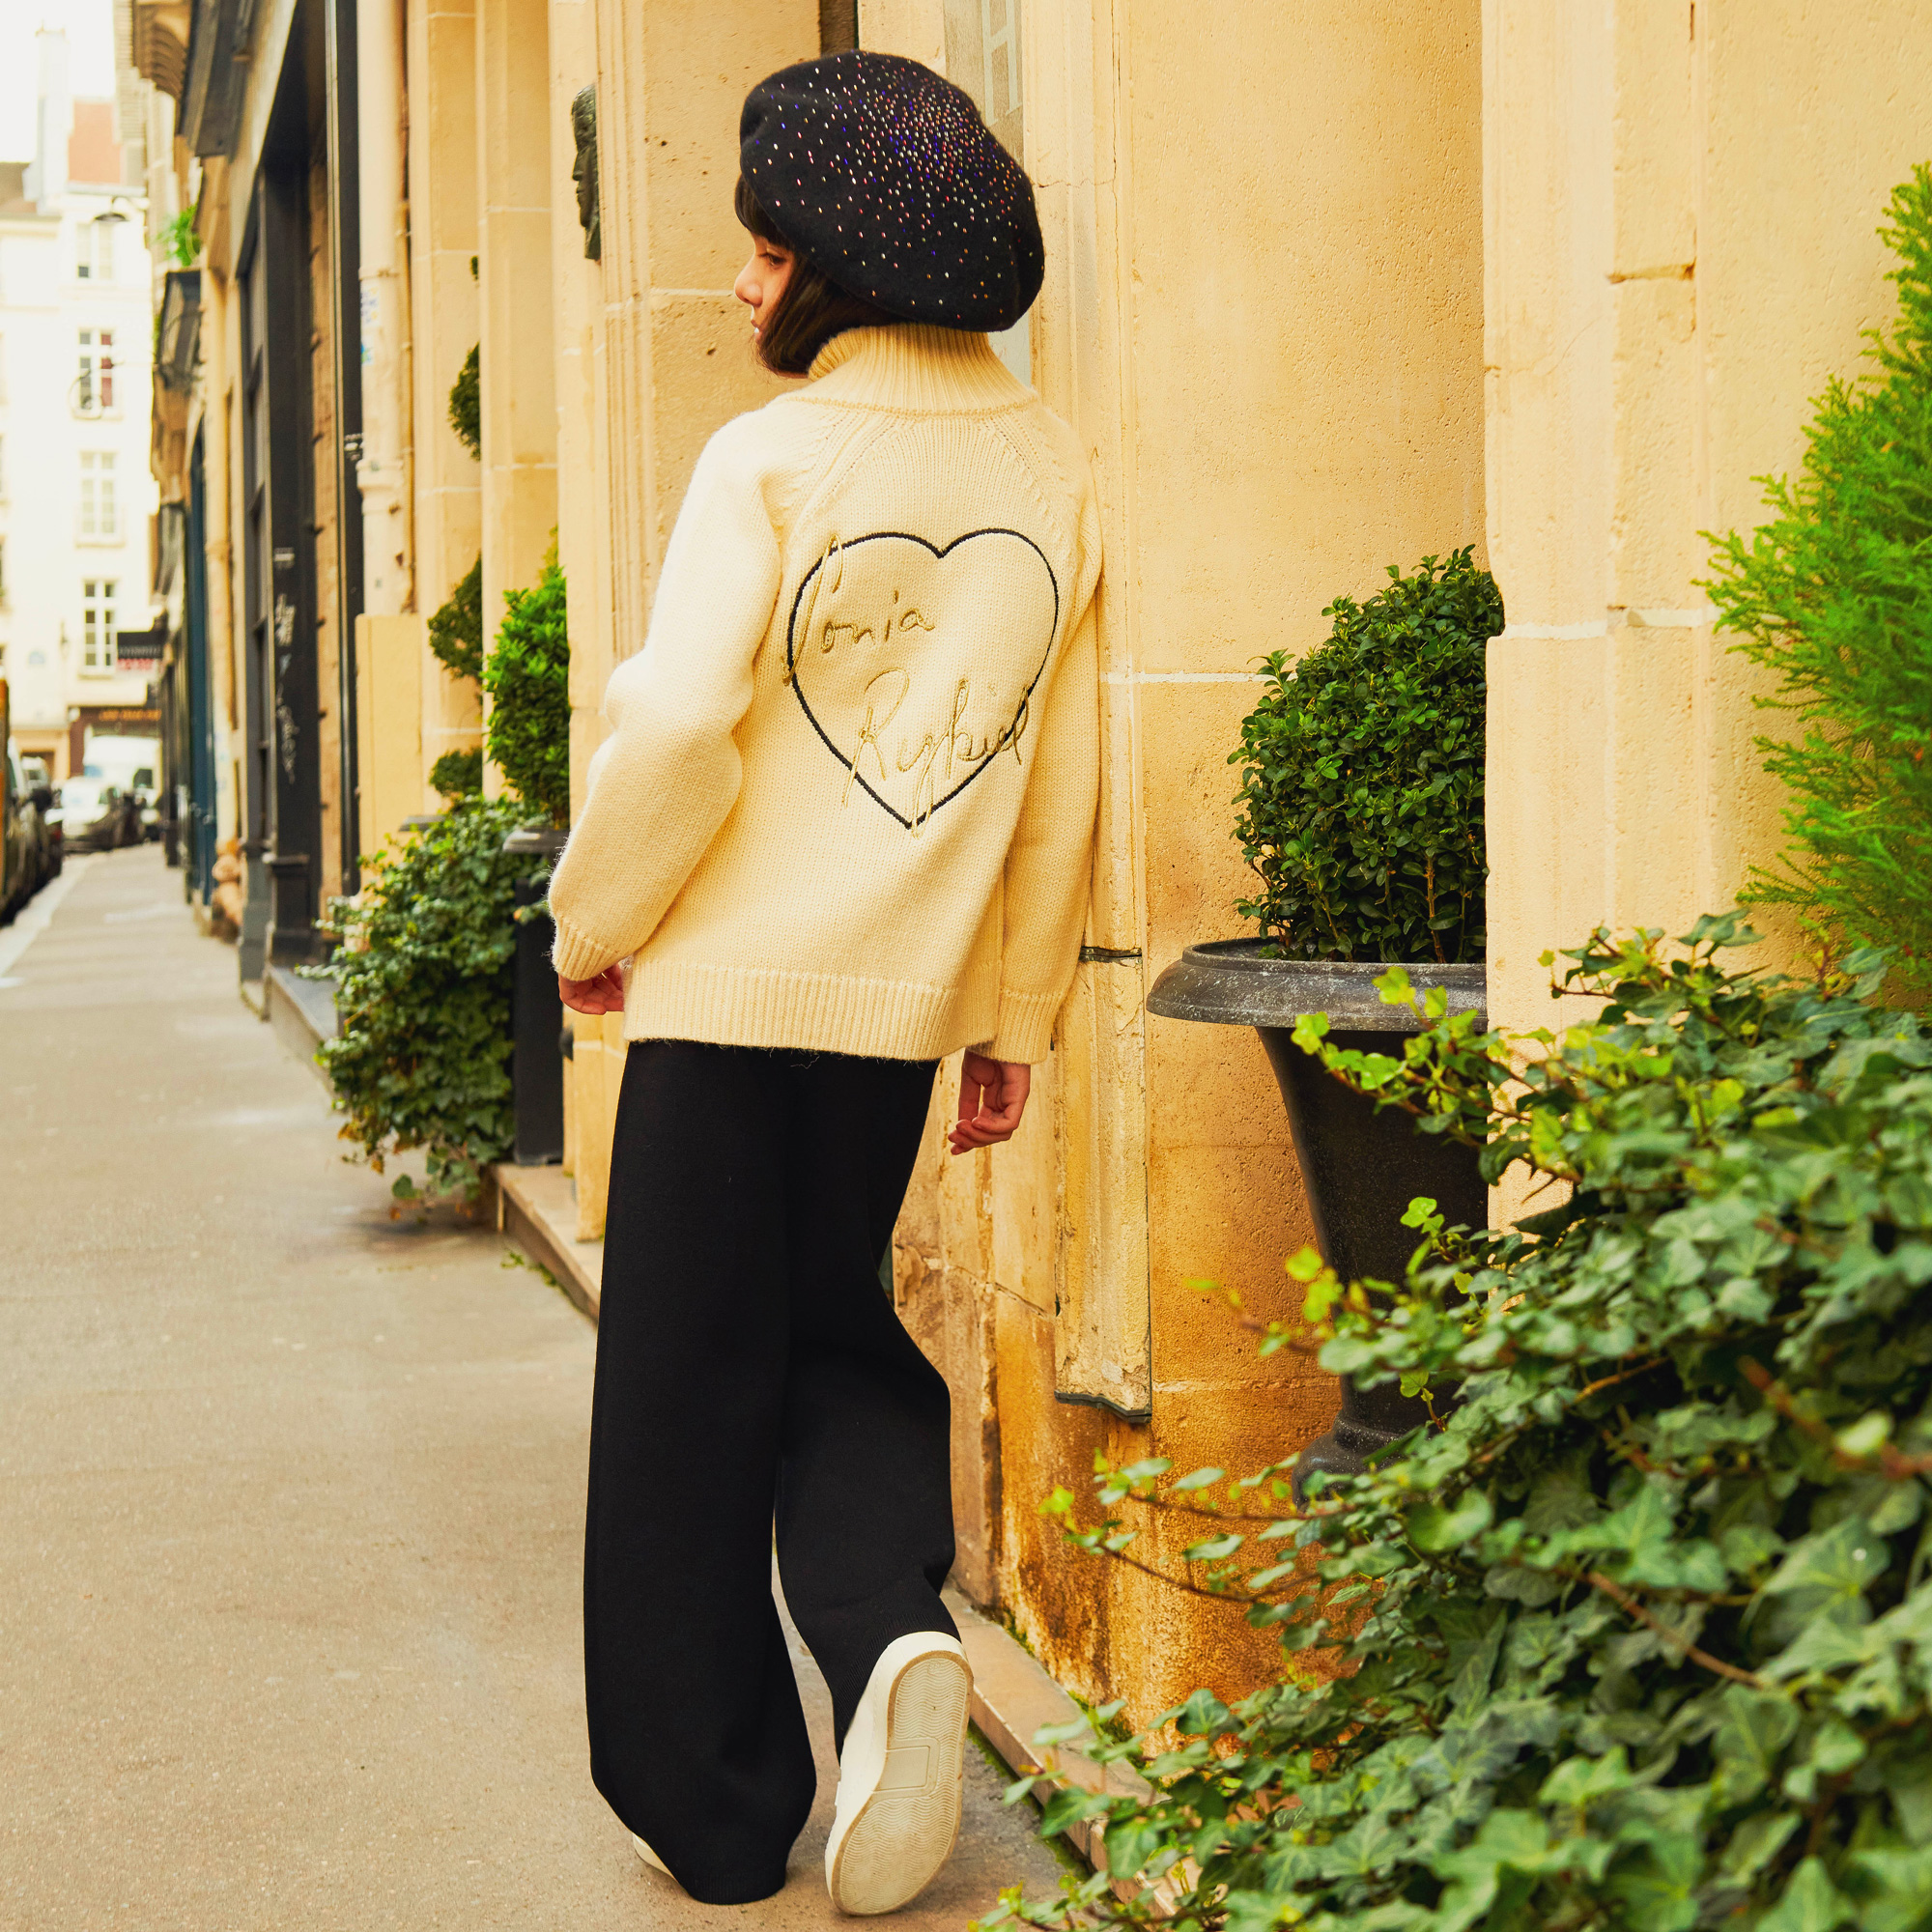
<point x="305" y="174"/>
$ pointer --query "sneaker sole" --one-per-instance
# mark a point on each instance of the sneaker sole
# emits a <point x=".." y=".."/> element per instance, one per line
<point x="906" y="1828"/>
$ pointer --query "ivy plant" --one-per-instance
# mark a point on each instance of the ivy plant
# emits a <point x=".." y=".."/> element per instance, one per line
<point x="1833" y="595"/>
<point x="1636" y="1633"/>
<point x="529" y="681"/>
<point x="178" y="240"/>
<point x="1361" y="800"/>
<point x="466" y="402"/>
<point x="423" y="979"/>
<point x="456" y="627"/>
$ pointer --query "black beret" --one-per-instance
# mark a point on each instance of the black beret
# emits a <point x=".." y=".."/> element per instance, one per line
<point x="883" y="176"/>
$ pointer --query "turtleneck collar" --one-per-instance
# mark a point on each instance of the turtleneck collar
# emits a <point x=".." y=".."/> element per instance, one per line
<point x="916" y="366"/>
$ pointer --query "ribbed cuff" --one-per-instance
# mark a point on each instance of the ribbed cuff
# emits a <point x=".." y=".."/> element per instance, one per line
<point x="1025" y="1028"/>
<point x="579" y="957"/>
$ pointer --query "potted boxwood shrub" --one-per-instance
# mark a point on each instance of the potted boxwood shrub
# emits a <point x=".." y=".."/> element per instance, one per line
<point x="1361" y="813"/>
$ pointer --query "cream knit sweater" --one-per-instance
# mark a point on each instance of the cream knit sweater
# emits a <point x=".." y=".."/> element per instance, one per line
<point x="848" y="800"/>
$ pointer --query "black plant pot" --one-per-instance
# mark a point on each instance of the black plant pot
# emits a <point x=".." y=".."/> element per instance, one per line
<point x="537" y="1066"/>
<point x="1362" y="1167"/>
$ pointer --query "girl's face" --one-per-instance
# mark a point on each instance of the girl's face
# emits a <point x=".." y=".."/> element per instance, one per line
<point x="763" y="280"/>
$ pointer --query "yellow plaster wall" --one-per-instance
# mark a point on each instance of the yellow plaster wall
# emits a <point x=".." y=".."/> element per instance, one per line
<point x="514" y="158"/>
<point x="1679" y="208"/>
<point x="389" y="651"/>
<point x="441" y="43"/>
<point x="583" y="545"/>
<point x="1263" y="314"/>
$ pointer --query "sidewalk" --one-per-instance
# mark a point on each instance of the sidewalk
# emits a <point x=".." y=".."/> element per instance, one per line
<point x="290" y="1503"/>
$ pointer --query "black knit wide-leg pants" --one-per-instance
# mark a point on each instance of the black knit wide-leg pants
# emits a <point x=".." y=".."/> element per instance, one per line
<point x="750" y="1365"/>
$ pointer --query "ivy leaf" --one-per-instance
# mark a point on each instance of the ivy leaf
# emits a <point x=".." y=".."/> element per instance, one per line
<point x="1212" y="1549"/>
<point x="1812" y="1903"/>
<point x="1201" y="1479"/>
<point x="1433" y="1526"/>
<point x="1756" y="1843"/>
<point x="1754" y="1729"/>
<point x="1583" y="1780"/>
<point x="1826" y="1573"/>
<point x="1661" y="1892"/>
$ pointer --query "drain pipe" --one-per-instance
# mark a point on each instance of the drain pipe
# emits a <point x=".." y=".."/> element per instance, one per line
<point x="388" y="564"/>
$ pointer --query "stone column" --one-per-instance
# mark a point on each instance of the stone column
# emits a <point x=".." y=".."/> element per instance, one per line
<point x="447" y="481"/>
<point x="584" y="517"/>
<point x="677" y="352"/>
<point x="514" y="159"/>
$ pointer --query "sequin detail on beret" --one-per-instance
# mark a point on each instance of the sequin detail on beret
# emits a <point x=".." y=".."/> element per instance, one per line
<point x="883" y="176"/>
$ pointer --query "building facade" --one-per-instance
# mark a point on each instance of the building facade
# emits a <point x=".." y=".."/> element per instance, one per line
<point x="76" y="499"/>
<point x="1331" y="285"/>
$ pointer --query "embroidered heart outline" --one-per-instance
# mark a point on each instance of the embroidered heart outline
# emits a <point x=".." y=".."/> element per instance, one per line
<point x="834" y="552"/>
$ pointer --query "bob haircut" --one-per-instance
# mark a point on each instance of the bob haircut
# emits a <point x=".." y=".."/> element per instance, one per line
<point x="814" y="307"/>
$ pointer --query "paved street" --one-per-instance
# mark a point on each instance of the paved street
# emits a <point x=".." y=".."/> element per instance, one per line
<point x="290" y="1501"/>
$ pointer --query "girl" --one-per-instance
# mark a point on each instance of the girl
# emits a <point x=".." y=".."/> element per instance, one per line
<point x="842" y="829"/>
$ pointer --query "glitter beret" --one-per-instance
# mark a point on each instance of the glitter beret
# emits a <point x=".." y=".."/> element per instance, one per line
<point x="883" y="176"/>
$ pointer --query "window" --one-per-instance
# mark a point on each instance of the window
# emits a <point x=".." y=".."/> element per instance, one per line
<point x="94" y="388"/>
<point x="97" y="623"/>
<point x="100" y="515"/>
<point x="94" y="249"/>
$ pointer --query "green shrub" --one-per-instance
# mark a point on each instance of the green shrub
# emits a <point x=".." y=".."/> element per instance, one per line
<point x="529" y="681"/>
<point x="1835" y="595"/>
<point x="456" y="630"/>
<point x="1637" y="1635"/>
<point x="423" y="981"/>
<point x="466" y="404"/>
<point x="1362" y="790"/>
<point x="458" y="773"/>
<point x="179" y="240"/>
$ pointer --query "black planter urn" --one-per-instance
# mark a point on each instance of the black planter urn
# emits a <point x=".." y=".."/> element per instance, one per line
<point x="1362" y="1167"/>
<point x="536" y="1065"/>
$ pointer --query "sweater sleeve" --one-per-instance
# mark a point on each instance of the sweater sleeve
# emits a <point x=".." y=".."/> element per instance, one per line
<point x="668" y="777"/>
<point x="1049" y="865"/>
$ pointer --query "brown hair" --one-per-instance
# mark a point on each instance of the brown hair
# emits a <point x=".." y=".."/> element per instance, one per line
<point x="813" y="309"/>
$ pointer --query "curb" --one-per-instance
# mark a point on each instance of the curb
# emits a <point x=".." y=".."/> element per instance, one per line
<point x="302" y="1013"/>
<point x="536" y="1206"/>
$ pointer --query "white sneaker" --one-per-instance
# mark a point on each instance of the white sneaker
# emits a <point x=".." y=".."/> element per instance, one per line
<point x="899" y="1775"/>
<point x="650" y="1858"/>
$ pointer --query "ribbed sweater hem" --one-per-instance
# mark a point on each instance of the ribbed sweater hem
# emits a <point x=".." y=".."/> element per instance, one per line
<point x="823" y="1012"/>
<point x="1025" y="1027"/>
<point x="577" y="954"/>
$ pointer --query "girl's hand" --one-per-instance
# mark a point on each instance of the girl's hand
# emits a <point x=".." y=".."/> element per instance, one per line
<point x="992" y="1097"/>
<point x="604" y="994"/>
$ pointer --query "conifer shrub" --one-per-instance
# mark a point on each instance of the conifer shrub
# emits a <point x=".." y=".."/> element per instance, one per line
<point x="1361" y="800"/>
<point x="1636" y="1633"/>
<point x="423" y="979"/>
<point x="456" y="629"/>
<point x="458" y="773"/>
<point x="1834" y="594"/>
<point x="529" y="681"/>
<point x="466" y="402"/>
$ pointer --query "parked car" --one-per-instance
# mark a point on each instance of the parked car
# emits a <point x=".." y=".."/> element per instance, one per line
<point x="26" y="868"/>
<point x="98" y="815"/>
<point x="42" y="789"/>
<point x="129" y="766"/>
